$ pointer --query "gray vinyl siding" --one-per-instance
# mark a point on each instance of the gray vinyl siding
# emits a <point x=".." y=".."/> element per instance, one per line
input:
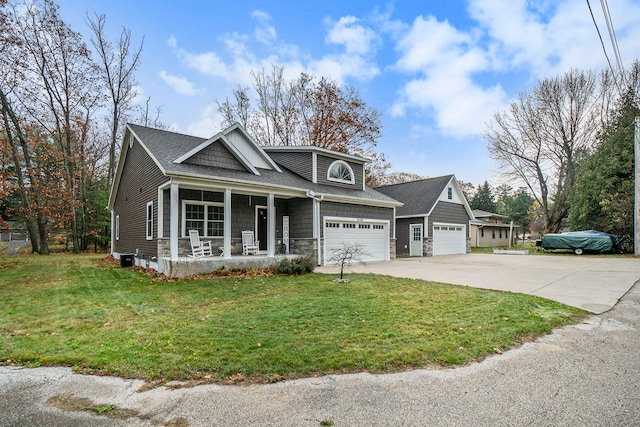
<point x="402" y="233"/>
<point x="243" y="213"/>
<point x="450" y="213"/>
<point x="347" y="210"/>
<point x="282" y="209"/>
<point x="216" y="155"/>
<point x="299" y="163"/>
<point x="300" y="218"/>
<point x="324" y="162"/>
<point x="138" y="185"/>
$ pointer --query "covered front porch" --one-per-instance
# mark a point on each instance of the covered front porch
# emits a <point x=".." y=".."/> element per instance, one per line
<point x="282" y="222"/>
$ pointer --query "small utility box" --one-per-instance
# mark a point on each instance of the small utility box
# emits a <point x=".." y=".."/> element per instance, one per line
<point x="126" y="260"/>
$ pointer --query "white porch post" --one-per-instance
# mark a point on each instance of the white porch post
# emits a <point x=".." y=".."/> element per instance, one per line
<point x="317" y="227"/>
<point x="271" y="225"/>
<point x="174" y="222"/>
<point x="227" y="223"/>
<point x="160" y="221"/>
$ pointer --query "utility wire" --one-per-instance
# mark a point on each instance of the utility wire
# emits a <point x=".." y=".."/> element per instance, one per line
<point x="612" y="33"/>
<point x="604" y="49"/>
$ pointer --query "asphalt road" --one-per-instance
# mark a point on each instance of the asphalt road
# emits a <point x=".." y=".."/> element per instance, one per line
<point x="586" y="374"/>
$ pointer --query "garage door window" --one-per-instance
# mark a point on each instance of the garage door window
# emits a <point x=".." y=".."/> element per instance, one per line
<point x="372" y="236"/>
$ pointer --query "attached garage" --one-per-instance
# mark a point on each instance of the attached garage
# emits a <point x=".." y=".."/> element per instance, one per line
<point x="434" y="218"/>
<point x="449" y="239"/>
<point x="372" y="235"/>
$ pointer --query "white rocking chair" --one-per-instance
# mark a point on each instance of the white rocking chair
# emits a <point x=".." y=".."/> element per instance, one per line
<point x="199" y="248"/>
<point x="249" y="245"/>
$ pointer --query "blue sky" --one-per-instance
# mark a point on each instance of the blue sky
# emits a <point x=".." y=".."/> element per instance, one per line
<point x="436" y="70"/>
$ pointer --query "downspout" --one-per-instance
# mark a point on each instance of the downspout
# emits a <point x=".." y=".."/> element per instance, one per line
<point x="113" y="231"/>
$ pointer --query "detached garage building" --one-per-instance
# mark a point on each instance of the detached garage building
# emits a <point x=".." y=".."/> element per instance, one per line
<point x="434" y="219"/>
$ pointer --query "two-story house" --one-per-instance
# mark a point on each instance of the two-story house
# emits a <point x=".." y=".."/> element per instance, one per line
<point x="304" y="201"/>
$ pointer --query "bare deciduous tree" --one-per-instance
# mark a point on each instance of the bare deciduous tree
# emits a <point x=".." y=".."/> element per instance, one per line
<point x="541" y="138"/>
<point x="307" y="111"/>
<point x="117" y="66"/>
<point x="347" y="255"/>
<point x="54" y="93"/>
<point x="398" y="178"/>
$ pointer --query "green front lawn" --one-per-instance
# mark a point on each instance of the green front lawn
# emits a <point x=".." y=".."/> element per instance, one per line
<point x="86" y="312"/>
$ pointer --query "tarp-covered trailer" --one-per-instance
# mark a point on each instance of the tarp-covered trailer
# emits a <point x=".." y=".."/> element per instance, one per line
<point x="581" y="241"/>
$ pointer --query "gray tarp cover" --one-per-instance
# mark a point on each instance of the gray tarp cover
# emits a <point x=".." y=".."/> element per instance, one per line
<point x="589" y="240"/>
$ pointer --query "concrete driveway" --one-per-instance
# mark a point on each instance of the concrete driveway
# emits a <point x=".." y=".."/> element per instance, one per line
<point x="592" y="283"/>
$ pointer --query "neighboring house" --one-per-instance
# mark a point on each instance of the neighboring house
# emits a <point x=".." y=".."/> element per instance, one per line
<point x="434" y="218"/>
<point x="489" y="230"/>
<point x="13" y="230"/>
<point x="297" y="200"/>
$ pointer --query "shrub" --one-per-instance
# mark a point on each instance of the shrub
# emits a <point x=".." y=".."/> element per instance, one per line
<point x="296" y="266"/>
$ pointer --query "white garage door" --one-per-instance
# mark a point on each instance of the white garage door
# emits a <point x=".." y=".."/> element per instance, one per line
<point x="449" y="239"/>
<point x="372" y="235"/>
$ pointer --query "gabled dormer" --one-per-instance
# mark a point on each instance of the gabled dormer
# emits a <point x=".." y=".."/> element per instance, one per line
<point x="232" y="149"/>
<point x="322" y="166"/>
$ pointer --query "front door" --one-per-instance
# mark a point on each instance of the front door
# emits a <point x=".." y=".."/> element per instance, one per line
<point x="415" y="240"/>
<point x="261" y="226"/>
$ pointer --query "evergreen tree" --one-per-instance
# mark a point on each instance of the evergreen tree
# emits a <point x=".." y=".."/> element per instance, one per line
<point x="603" y="198"/>
<point x="516" y="207"/>
<point x="483" y="199"/>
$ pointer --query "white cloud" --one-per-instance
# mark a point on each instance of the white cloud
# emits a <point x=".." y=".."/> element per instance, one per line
<point x="208" y="124"/>
<point x="549" y="38"/>
<point x="446" y="60"/>
<point x="356" y="38"/>
<point x="241" y="55"/>
<point x="447" y="68"/>
<point x="426" y="42"/>
<point x="342" y="67"/>
<point x="179" y="84"/>
<point x="265" y="32"/>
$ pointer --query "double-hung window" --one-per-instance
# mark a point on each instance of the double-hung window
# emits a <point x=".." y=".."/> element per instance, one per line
<point x="206" y="217"/>
<point x="150" y="221"/>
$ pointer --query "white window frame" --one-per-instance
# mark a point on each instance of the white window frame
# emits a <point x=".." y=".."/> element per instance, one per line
<point x="149" y="221"/>
<point x="344" y="164"/>
<point x="206" y="216"/>
<point x="117" y="227"/>
<point x="450" y="193"/>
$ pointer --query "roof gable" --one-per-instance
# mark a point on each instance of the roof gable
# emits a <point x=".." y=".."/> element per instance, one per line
<point x="130" y="138"/>
<point x="420" y="197"/>
<point x="237" y="142"/>
<point x="216" y="155"/>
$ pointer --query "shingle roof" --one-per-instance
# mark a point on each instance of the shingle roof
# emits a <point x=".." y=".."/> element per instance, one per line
<point x="479" y="213"/>
<point x="166" y="146"/>
<point x="418" y="197"/>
